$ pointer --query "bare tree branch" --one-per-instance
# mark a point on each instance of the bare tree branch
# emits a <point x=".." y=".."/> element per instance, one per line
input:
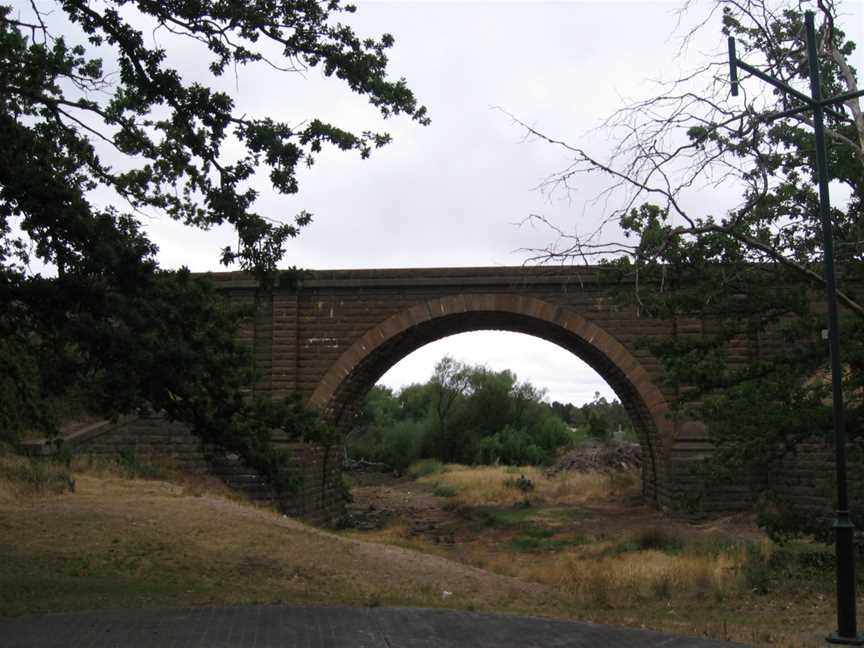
<point x="691" y="136"/>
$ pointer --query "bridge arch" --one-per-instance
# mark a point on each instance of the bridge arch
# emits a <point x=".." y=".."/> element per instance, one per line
<point x="340" y="392"/>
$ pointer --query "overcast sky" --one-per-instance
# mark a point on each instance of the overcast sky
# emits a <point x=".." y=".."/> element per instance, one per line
<point x="454" y="193"/>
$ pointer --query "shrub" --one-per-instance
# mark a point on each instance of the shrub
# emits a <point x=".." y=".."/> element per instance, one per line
<point x="598" y="426"/>
<point x="523" y="484"/>
<point x="552" y="434"/>
<point x="513" y="446"/>
<point x="402" y="444"/>
<point x="658" y="539"/>
<point x="398" y="445"/>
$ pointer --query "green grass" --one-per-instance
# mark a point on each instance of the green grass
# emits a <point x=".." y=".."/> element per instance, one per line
<point x="533" y="535"/>
<point x="540" y="540"/>
<point x="565" y="514"/>
<point x="445" y="490"/>
<point x="506" y="518"/>
<point x="134" y="543"/>
<point x="514" y="516"/>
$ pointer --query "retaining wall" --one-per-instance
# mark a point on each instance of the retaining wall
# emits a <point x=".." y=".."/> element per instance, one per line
<point x="319" y="497"/>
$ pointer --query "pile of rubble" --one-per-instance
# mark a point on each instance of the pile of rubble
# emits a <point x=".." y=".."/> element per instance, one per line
<point x="604" y="457"/>
<point x="361" y="465"/>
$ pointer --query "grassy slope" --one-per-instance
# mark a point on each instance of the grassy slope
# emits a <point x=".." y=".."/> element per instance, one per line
<point x="119" y="542"/>
<point x="128" y="543"/>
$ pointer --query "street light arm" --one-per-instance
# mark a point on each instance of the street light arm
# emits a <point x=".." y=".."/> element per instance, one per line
<point x="735" y="63"/>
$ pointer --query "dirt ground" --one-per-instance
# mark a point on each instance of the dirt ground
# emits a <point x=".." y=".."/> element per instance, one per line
<point x="382" y="499"/>
<point x="615" y="558"/>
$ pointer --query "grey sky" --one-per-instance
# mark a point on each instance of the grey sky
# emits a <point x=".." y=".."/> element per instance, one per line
<point x="453" y="193"/>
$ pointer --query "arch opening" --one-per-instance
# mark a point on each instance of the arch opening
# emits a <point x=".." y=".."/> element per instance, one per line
<point x="560" y="375"/>
<point x="342" y="390"/>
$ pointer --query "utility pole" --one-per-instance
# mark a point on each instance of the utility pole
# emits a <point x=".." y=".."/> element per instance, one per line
<point x="844" y="529"/>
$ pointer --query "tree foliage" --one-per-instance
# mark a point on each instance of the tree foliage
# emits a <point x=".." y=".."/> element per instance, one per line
<point x="98" y="128"/>
<point x="599" y="418"/>
<point x="754" y="271"/>
<point x="62" y="106"/>
<point x="468" y="414"/>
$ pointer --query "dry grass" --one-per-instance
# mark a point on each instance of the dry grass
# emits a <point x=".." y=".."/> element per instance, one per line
<point x="617" y="562"/>
<point x="24" y="478"/>
<point x="121" y="542"/>
<point x="495" y="485"/>
<point x="626" y="579"/>
<point x="632" y="566"/>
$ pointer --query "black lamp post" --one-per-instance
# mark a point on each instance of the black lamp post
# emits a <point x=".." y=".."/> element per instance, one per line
<point x="847" y="632"/>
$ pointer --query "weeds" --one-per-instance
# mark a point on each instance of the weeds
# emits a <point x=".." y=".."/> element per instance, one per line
<point x="504" y="517"/>
<point x="544" y="541"/>
<point x="622" y="481"/>
<point x="490" y="485"/>
<point x="135" y="466"/>
<point x="757" y="569"/>
<point x="25" y="476"/>
<point x="426" y="467"/>
<point x="445" y="490"/>
<point x="660" y="539"/>
<point x="522" y="484"/>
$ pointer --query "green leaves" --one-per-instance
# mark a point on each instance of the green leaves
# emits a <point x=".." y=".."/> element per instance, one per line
<point x="177" y="132"/>
<point x="462" y="414"/>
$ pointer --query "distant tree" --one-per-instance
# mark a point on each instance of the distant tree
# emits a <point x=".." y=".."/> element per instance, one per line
<point x="450" y="380"/>
<point x="415" y="401"/>
<point x="383" y="432"/>
<point x="463" y="413"/>
<point x="598" y="426"/>
<point x="380" y="408"/>
<point x="560" y="410"/>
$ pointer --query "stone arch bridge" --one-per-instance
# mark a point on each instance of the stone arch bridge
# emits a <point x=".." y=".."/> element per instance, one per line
<point x="333" y="335"/>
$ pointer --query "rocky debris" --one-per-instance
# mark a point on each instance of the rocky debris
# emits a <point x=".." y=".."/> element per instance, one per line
<point x="361" y="465"/>
<point x="432" y="532"/>
<point x="604" y="457"/>
<point x="379" y="500"/>
<point x="366" y="519"/>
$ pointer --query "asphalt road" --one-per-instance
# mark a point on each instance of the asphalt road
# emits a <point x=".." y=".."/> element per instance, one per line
<point x="266" y="626"/>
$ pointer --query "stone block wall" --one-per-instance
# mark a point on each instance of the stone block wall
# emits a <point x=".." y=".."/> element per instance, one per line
<point x="147" y="437"/>
<point x="319" y="498"/>
<point x="804" y="483"/>
<point x="807" y="480"/>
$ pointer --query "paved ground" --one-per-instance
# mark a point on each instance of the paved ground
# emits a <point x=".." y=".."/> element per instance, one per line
<point x="263" y="626"/>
